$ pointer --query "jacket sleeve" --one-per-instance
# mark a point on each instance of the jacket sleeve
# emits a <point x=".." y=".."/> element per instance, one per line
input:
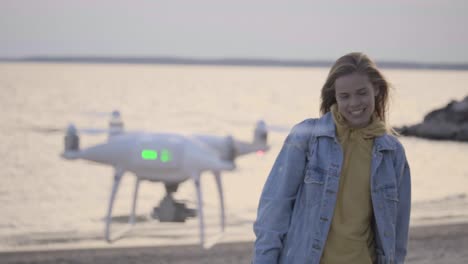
<point x="404" y="209"/>
<point x="277" y="199"/>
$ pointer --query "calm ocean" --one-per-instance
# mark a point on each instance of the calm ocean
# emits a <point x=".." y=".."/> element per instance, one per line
<point x="47" y="202"/>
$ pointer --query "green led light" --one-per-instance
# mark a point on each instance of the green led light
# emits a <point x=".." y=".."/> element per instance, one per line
<point x="165" y="155"/>
<point x="148" y="154"/>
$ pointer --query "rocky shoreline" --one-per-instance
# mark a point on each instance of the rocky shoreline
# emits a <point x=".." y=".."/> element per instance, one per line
<point x="447" y="123"/>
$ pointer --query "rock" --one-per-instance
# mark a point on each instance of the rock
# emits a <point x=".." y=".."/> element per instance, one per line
<point x="462" y="134"/>
<point x="448" y="123"/>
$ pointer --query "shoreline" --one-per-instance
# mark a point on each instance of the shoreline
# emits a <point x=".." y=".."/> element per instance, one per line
<point x="443" y="243"/>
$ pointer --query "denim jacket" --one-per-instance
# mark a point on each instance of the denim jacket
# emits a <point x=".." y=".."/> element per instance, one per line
<point x="298" y="200"/>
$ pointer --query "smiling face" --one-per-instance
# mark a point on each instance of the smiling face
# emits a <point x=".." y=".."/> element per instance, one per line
<point x="355" y="97"/>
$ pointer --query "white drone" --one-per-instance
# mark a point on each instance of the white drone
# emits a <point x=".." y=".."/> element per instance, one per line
<point x="167" y="158"/>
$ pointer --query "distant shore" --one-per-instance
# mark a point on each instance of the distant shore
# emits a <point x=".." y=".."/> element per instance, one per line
<point x="229" y="62"/>
<point x="446" y="244"/>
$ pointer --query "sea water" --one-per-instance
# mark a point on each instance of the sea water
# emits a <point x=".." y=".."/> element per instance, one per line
<point x="49" y="202"/>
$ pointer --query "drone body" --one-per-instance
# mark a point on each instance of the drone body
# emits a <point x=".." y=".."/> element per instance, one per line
<point x="167" y="158"/>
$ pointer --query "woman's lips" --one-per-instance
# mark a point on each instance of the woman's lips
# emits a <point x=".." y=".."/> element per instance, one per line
<point x="357" y="112"/>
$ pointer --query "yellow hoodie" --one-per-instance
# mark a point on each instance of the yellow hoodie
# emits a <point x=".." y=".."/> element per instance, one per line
<point x="351" y="238"/>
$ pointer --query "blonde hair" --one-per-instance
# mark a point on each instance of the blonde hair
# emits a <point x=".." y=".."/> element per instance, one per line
<point x="356" y="62"/>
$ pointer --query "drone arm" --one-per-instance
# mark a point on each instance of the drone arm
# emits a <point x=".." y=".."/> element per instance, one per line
<point x="217" y="175"/>
<point x="243" y="148"/>
<point x="117" y="177"/>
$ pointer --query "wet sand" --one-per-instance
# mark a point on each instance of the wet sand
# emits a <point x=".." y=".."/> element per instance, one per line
<point x="446" y="244"/>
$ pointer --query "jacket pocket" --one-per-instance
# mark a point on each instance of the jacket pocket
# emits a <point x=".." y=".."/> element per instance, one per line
<point x="314" y="180"/>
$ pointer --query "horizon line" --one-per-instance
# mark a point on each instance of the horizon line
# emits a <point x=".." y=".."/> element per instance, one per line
<point x="228" y="61"/>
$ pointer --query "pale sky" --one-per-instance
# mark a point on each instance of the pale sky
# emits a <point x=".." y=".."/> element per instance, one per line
<point x="396" y="30"/>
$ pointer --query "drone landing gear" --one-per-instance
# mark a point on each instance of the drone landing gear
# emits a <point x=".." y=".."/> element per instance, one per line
<point x="170" y="210"/>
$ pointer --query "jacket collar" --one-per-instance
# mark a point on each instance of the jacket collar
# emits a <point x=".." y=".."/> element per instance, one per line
<point x="325" y="126"/>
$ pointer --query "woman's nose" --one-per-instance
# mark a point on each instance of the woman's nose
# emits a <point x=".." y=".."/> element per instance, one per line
<point x="354" y="101"/>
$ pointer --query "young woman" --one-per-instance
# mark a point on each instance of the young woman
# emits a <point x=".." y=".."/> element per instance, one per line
<point x="340" y="189"/>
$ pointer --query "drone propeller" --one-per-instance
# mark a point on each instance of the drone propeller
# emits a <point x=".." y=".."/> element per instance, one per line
<point x="113" y="114"/>
<point x="278" y="128"/>
<point x="266" y="126"/>
<point x="55" y="130"/>
<point x="115" y="125"/>
<point x="94" y="131"/>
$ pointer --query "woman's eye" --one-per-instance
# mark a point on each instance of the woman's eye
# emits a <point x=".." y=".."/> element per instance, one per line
<point x="363" y="93"/>
<point x="343" y="96"/>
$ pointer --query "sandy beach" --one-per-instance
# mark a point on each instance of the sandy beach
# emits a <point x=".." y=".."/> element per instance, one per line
<point x="446" y="244"/>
